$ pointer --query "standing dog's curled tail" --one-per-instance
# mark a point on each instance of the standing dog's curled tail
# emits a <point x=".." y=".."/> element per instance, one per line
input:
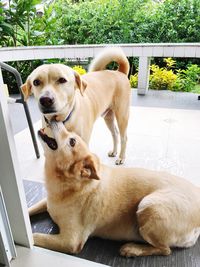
<point x="108" y="55"/>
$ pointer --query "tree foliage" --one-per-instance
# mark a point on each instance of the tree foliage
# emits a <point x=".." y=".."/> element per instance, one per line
<point x="19" y="15"/>
<point x="99" y="21"/>
<point x="129" y="21"/>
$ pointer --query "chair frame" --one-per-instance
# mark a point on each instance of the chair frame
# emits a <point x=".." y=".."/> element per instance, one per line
<point x="25" y="105"/>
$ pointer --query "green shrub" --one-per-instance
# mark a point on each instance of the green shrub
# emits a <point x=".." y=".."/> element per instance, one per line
<point x="167" y="79"/>
<point x="187" y="79"/>
<point x="162" y="78"/>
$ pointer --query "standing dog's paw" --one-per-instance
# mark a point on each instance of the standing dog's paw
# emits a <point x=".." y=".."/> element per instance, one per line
<point x="119" y="161"/>
<point x="112" y="154"/>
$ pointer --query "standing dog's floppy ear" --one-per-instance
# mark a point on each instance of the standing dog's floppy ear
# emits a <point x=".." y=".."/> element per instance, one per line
<point x="80" y="83"/>
<point x="90" y="167"/>
<point x="26" y="89"/>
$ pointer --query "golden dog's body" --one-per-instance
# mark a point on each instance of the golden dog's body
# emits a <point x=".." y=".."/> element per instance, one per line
<point x="101" y="93"/>
<point x="86" y="198"/>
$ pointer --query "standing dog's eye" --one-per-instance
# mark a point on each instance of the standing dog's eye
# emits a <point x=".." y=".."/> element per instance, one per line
<point x="72" y="142"/>
<point x="62" y="80"/>
<point x="36" y="82"/>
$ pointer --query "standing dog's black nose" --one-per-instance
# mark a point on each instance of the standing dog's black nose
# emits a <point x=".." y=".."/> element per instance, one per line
<point x="46" y="101"/>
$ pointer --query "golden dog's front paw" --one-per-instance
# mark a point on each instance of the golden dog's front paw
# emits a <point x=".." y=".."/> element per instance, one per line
<point x="37" y="239"/>
<point x="134" y="250"/>
<point x="128" y="250"/>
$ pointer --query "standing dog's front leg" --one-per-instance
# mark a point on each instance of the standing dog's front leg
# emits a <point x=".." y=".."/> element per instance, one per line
<point x="39" y="207"/>
<point x="60" y="242"/>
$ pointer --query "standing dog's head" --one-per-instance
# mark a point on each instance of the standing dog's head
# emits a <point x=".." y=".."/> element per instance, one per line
<point x="53" y="85"/>
<point x="69" y="154"/>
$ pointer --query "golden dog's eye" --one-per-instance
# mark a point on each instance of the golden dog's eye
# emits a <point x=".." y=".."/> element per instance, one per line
<point x="36" y="82"/>
<point x="72" y="142"/>
<point x="62" y="80"/>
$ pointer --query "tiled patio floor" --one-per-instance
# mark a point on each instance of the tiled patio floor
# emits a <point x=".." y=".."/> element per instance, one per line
<point x="160" y="138"/>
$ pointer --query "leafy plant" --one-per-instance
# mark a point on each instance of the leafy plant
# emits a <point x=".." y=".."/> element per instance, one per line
<point x="45" y="29"/>
<point x="161" y="78"/>
<point x="170" y="63"/>
<point x="134" y="80"/>
<point x="166" y="78"/>
<point x="187" y="79"/>
<point x="19" y="14"/>
<point x="6" y="30"/>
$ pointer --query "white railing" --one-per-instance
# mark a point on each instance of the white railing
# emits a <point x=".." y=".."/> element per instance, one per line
<point x="143" y="51"/>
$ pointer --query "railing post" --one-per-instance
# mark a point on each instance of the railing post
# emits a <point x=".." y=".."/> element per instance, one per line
<point x="143" y="75"/>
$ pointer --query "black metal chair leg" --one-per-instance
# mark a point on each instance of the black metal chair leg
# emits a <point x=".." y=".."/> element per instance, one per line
<point x="30" y="124"/>
<point x="21" y="100"/>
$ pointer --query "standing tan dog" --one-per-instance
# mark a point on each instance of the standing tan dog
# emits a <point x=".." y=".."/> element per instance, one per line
<point x="86" y="198"/>
<point x="101" y="93"/>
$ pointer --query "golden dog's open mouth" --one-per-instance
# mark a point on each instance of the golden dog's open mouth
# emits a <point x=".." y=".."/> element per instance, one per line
<point x="51" y="142"/>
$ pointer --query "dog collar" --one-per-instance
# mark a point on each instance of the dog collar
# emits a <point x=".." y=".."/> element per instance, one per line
<point x="66" y="119"/>
<point x="69" y="115"/>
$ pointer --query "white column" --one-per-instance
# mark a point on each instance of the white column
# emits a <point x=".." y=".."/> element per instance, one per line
<point x="7" y="246"/>
<point x="10" y="180"/>
<point x="143" y="75"/>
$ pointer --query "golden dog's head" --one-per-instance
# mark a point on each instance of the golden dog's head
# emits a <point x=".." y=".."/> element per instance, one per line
<point x="53" y="85"/>
<point x="69" y="153"/>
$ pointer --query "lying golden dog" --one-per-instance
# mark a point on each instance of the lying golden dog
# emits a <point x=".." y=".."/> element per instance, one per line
<point x="101" y="93"/>
<point x="86" y="198"/>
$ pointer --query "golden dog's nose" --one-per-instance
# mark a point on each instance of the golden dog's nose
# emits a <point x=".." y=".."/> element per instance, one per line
<point x="46" y="101"/>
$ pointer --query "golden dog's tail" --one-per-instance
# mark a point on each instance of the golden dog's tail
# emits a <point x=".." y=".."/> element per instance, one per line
<point x="108" y="55"/>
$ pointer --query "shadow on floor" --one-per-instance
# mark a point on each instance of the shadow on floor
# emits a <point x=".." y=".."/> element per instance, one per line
<point x="166" y="99"/>
<point x="153" y="98"/>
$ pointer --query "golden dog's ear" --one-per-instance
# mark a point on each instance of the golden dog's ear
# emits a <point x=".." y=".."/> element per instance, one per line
<point x="26" y="89"/>
<point x="81" y="84"/>
<point x="90" y="167"/>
